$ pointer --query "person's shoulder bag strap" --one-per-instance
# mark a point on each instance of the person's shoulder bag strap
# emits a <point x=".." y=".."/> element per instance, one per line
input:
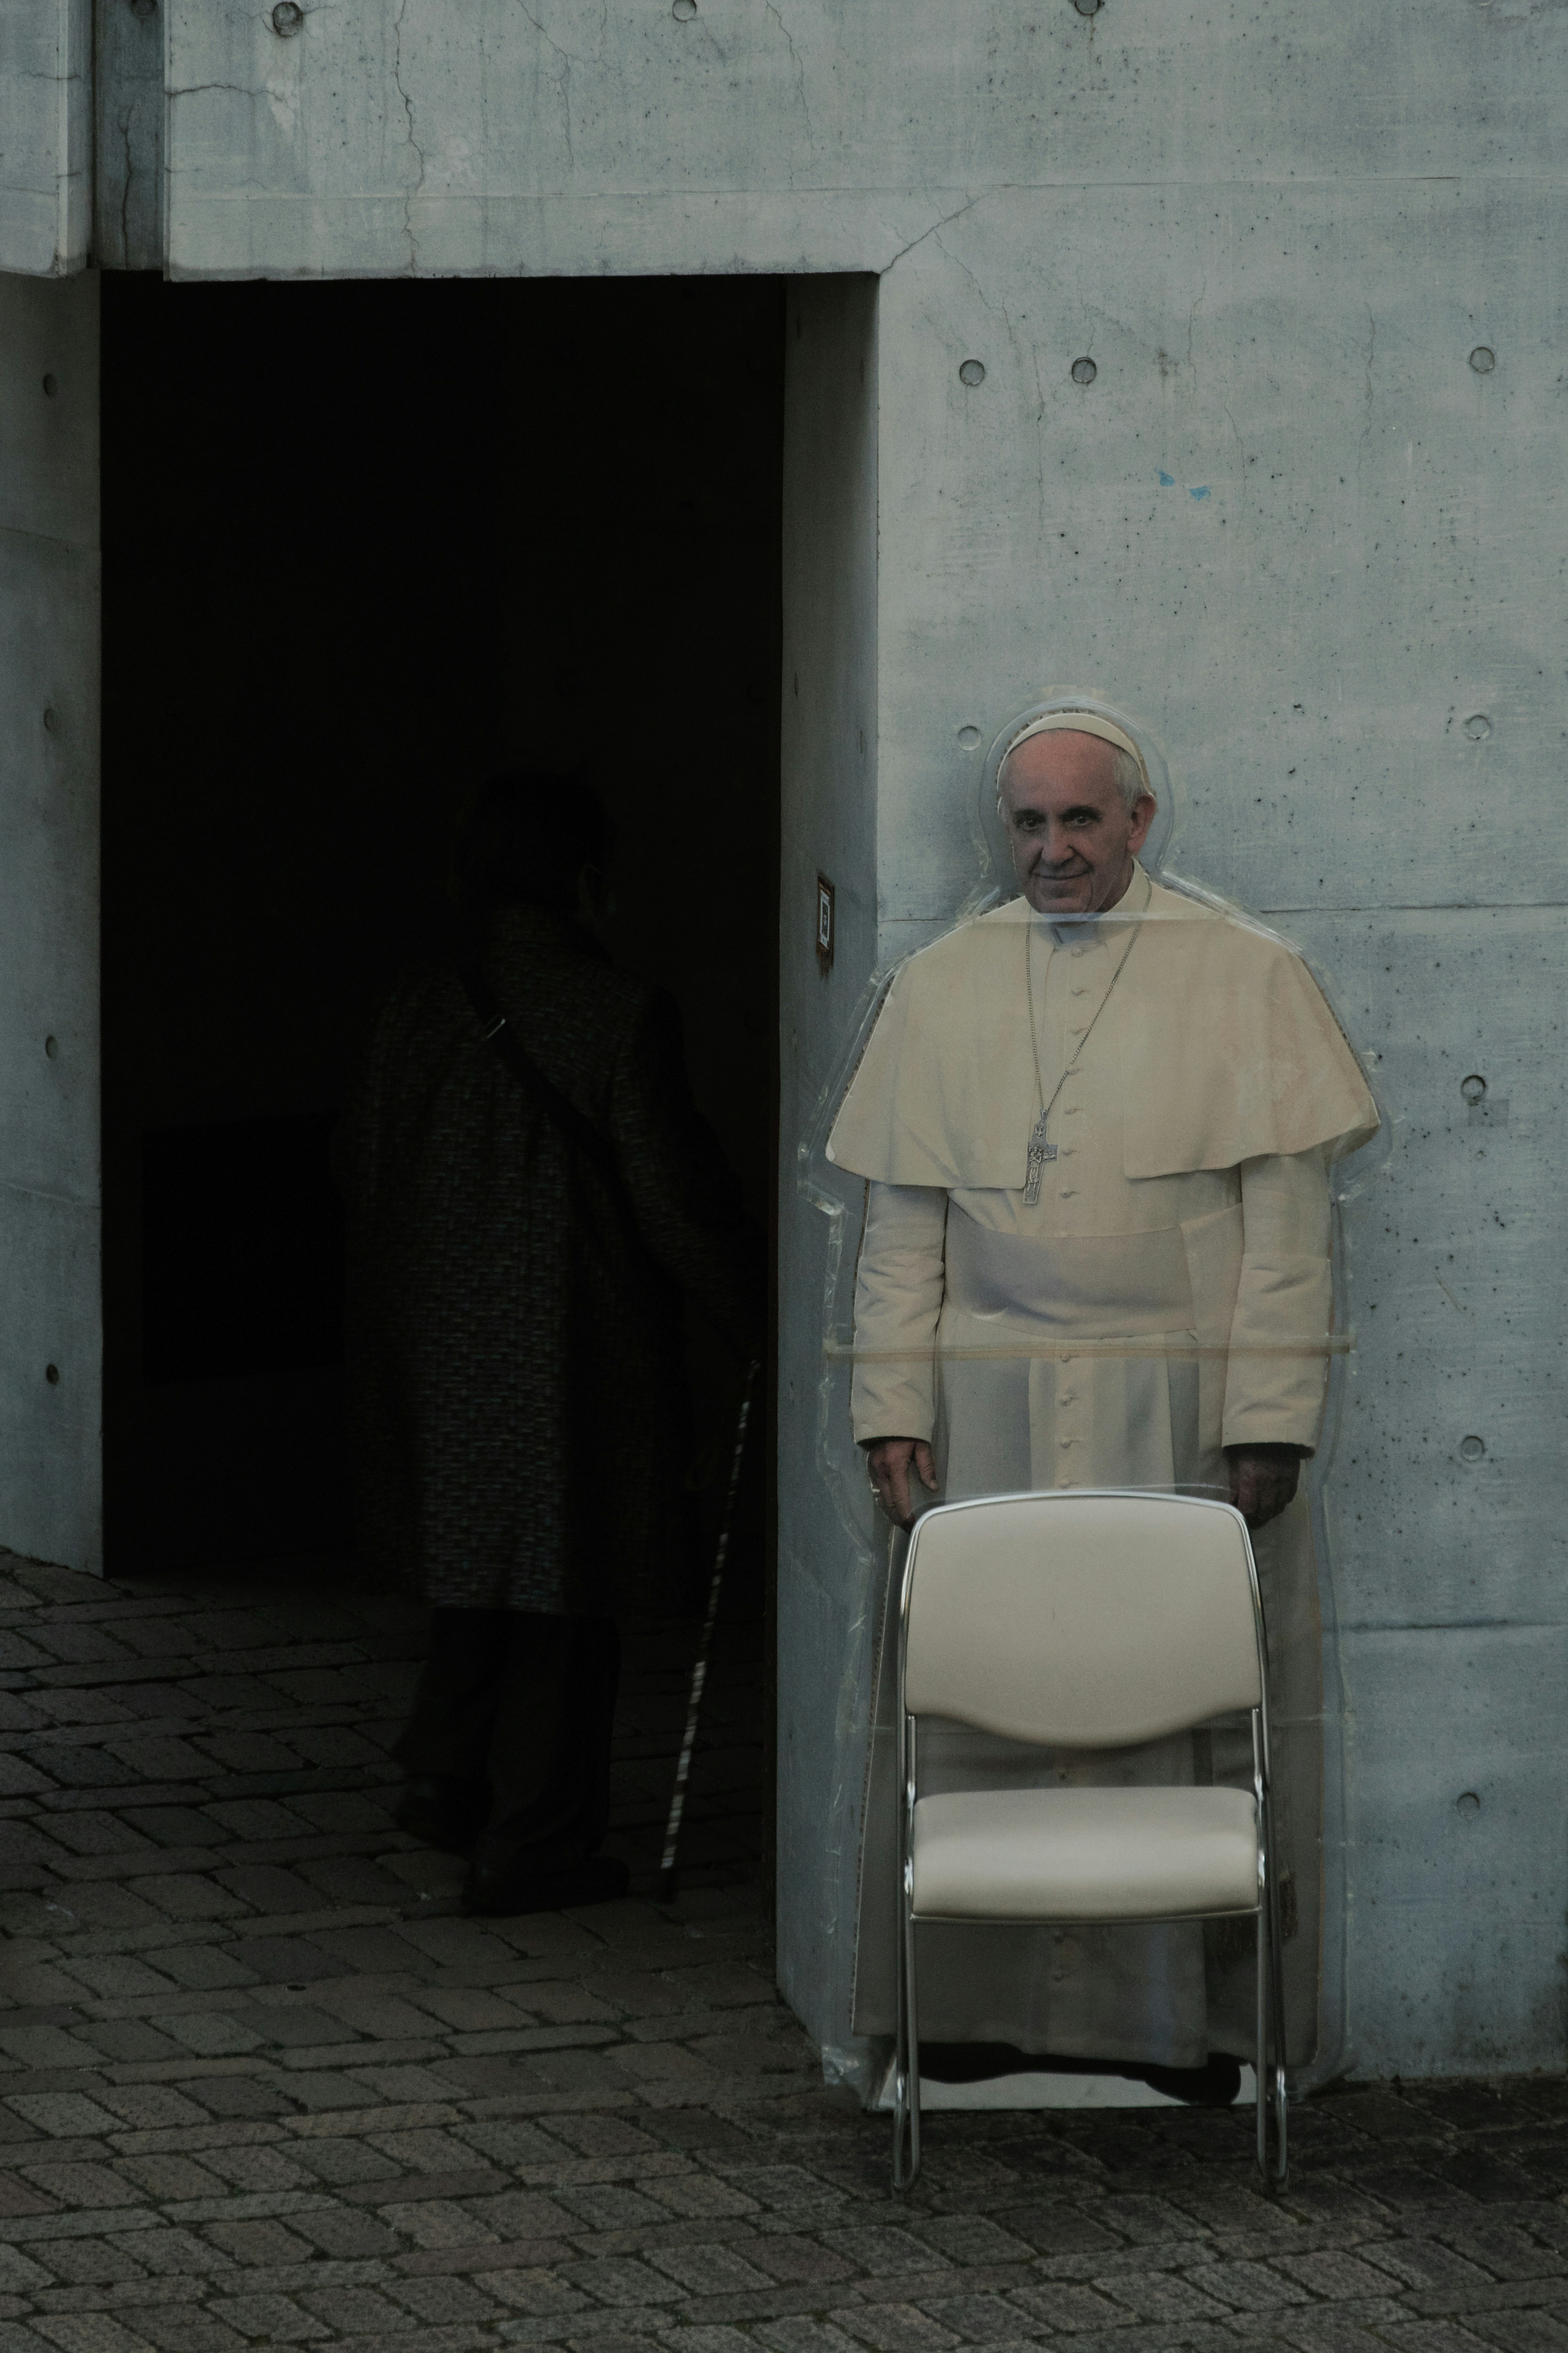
<point x="563" y="1114"/>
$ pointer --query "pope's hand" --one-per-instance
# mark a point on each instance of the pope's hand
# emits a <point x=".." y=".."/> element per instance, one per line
<point x="1262" y="1481"/>
<point x="889" y="1460"/>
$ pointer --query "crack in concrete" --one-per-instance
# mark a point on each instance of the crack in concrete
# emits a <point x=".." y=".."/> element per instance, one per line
<point x="1192" y="315"/>
<point x="568" y="59"/>
<point x="934" y="230"/>
<point x="125" y="191"/>
<point x="1040" y="442"/>
<point x="409" y="194"/>
<point x="799" y="63"/>
<point x="959" y="263"/>
<point x="1241" y="446"/>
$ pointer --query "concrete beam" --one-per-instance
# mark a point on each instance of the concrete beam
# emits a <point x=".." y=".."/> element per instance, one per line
<point x="45" y="135"/>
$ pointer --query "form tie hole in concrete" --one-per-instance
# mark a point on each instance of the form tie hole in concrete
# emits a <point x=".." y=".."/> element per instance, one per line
<point x="1088" y="7"/>
<point x="1473" y="1088"/>
<point x="143" y="9"/>
<point x="52" y="1374"/>
<point x="1478" y="726"/>
<point x="52" y="721"/>
<point x="969" y="737"/>
<point x="51" y="386"/>
<point x="51" y="1046"/>
<point x="1483" y="359"/>
<point x="1084" y="371"/>
<point x="683" y="11"/>
<point x="288" y="18"/>
<point x="1469" y="1805"/>
<point x="1472" y="1449"/>
<point x="972" y="373"/>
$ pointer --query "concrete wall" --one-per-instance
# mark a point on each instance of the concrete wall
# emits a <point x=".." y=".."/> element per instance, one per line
<point x="1297" y="520"/>
<point x="829" y="754"/>
<point x="51" y="1329"/>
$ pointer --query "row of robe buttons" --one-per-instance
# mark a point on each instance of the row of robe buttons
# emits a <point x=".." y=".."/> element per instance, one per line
<point x="1066" y="1442"/>
<point x="1070" y="1111"/>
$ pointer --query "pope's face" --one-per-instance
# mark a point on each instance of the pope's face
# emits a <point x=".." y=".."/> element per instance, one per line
<point x="1072" y="836"/>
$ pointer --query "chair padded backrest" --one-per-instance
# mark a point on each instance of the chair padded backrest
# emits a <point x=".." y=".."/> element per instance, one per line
<point x="1088" y="1621"/>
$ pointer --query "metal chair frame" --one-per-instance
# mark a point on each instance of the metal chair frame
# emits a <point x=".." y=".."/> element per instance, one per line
<point x="1270" y="2050"/>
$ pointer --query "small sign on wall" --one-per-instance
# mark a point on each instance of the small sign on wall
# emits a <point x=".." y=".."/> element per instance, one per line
<point x="824" y="925"/>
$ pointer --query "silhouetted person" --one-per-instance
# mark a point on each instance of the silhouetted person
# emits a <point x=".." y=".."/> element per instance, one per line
<point x="529" y="1203"/>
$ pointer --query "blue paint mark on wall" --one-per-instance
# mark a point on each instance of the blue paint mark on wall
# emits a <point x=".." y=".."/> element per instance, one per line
<point x="1167" y="482"/>
<point x="1199" y="494"/>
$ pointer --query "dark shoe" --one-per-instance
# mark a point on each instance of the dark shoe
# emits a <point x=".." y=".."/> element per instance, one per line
<point x="1213" y="2086"/>
<point x="500" y="1890"/>
<point x="442" y="1811"/>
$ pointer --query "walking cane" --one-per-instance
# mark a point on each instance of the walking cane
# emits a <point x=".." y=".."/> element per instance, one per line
<point x="666" y="1883"/>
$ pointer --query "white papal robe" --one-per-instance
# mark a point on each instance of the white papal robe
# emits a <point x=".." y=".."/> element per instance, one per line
<point x="1120" y="1331"/>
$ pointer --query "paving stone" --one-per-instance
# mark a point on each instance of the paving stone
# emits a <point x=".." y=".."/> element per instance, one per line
<point x="180" y="2328"/>
<point x="1250" y="2287"/>
<point x="444" y="2300"/>
<point x="699" y="2339"/>
<point x="620" y="2281"/>
<point x="207" y="1968"/>
<point x="167" y="2175"/>
<point x="972" y="2239"/>
<point x="1165" y="2296"/>
<point x="176" y="2255"/>
<point x="1521" y="2332"/>
<point x="261" y="2241"/>
<point x="1331" y="2332"/>
<point x="275" y="2319"/>
<point x="89" y="2261"/>
<point x="534" y="2290"/>
<point x="1431" y="2337"/>
<point x="1070" y="2309"/>
<point x="1059" y="2230"/>
<point x="19" y="2273"/>
<point x="88" y="2333"/>
<point x="62" y="2112"/>
<point x="896" y="2328"/>
<point x="82" y="2185"/>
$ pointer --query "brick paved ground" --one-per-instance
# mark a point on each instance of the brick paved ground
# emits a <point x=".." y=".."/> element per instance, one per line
<point x="260" y="2086"/>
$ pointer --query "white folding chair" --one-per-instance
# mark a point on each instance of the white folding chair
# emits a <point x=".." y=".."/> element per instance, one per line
<point x="1094" y="1619"/>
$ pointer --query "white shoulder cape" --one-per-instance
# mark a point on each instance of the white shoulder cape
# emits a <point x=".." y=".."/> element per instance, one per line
<point x="1229" y="1051"/>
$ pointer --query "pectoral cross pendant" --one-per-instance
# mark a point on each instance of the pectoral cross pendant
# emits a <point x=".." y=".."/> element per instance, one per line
<point x="1039" y="1153"/>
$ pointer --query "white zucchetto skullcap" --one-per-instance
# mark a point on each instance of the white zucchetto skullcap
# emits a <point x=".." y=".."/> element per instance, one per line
<point x="1079" y="723"/>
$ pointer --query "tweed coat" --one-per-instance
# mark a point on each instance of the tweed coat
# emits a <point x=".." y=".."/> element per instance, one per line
<point x="516" y="1346"/>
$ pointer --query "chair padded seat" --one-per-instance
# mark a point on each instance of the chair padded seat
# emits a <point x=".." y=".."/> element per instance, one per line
<point x="1085" y="1855"/>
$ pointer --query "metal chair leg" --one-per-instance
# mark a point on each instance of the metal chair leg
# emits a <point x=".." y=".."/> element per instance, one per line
<point x="1282" y="2174"/>
<point x="1262" y="2047"/>
<point x="901" y="2114"/>
<point x="907" y="2065"/>
<point x="1275" y="2177"/>
<point x="900" y="2066"/>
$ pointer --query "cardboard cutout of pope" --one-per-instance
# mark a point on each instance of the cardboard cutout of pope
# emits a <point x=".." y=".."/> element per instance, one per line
<point x="1096" y="1127"/>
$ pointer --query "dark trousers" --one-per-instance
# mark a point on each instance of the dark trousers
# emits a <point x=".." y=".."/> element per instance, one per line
<point x="523" y="1705"/>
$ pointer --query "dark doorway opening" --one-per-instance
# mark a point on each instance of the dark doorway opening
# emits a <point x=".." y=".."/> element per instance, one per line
<point x="363" y="543"/>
